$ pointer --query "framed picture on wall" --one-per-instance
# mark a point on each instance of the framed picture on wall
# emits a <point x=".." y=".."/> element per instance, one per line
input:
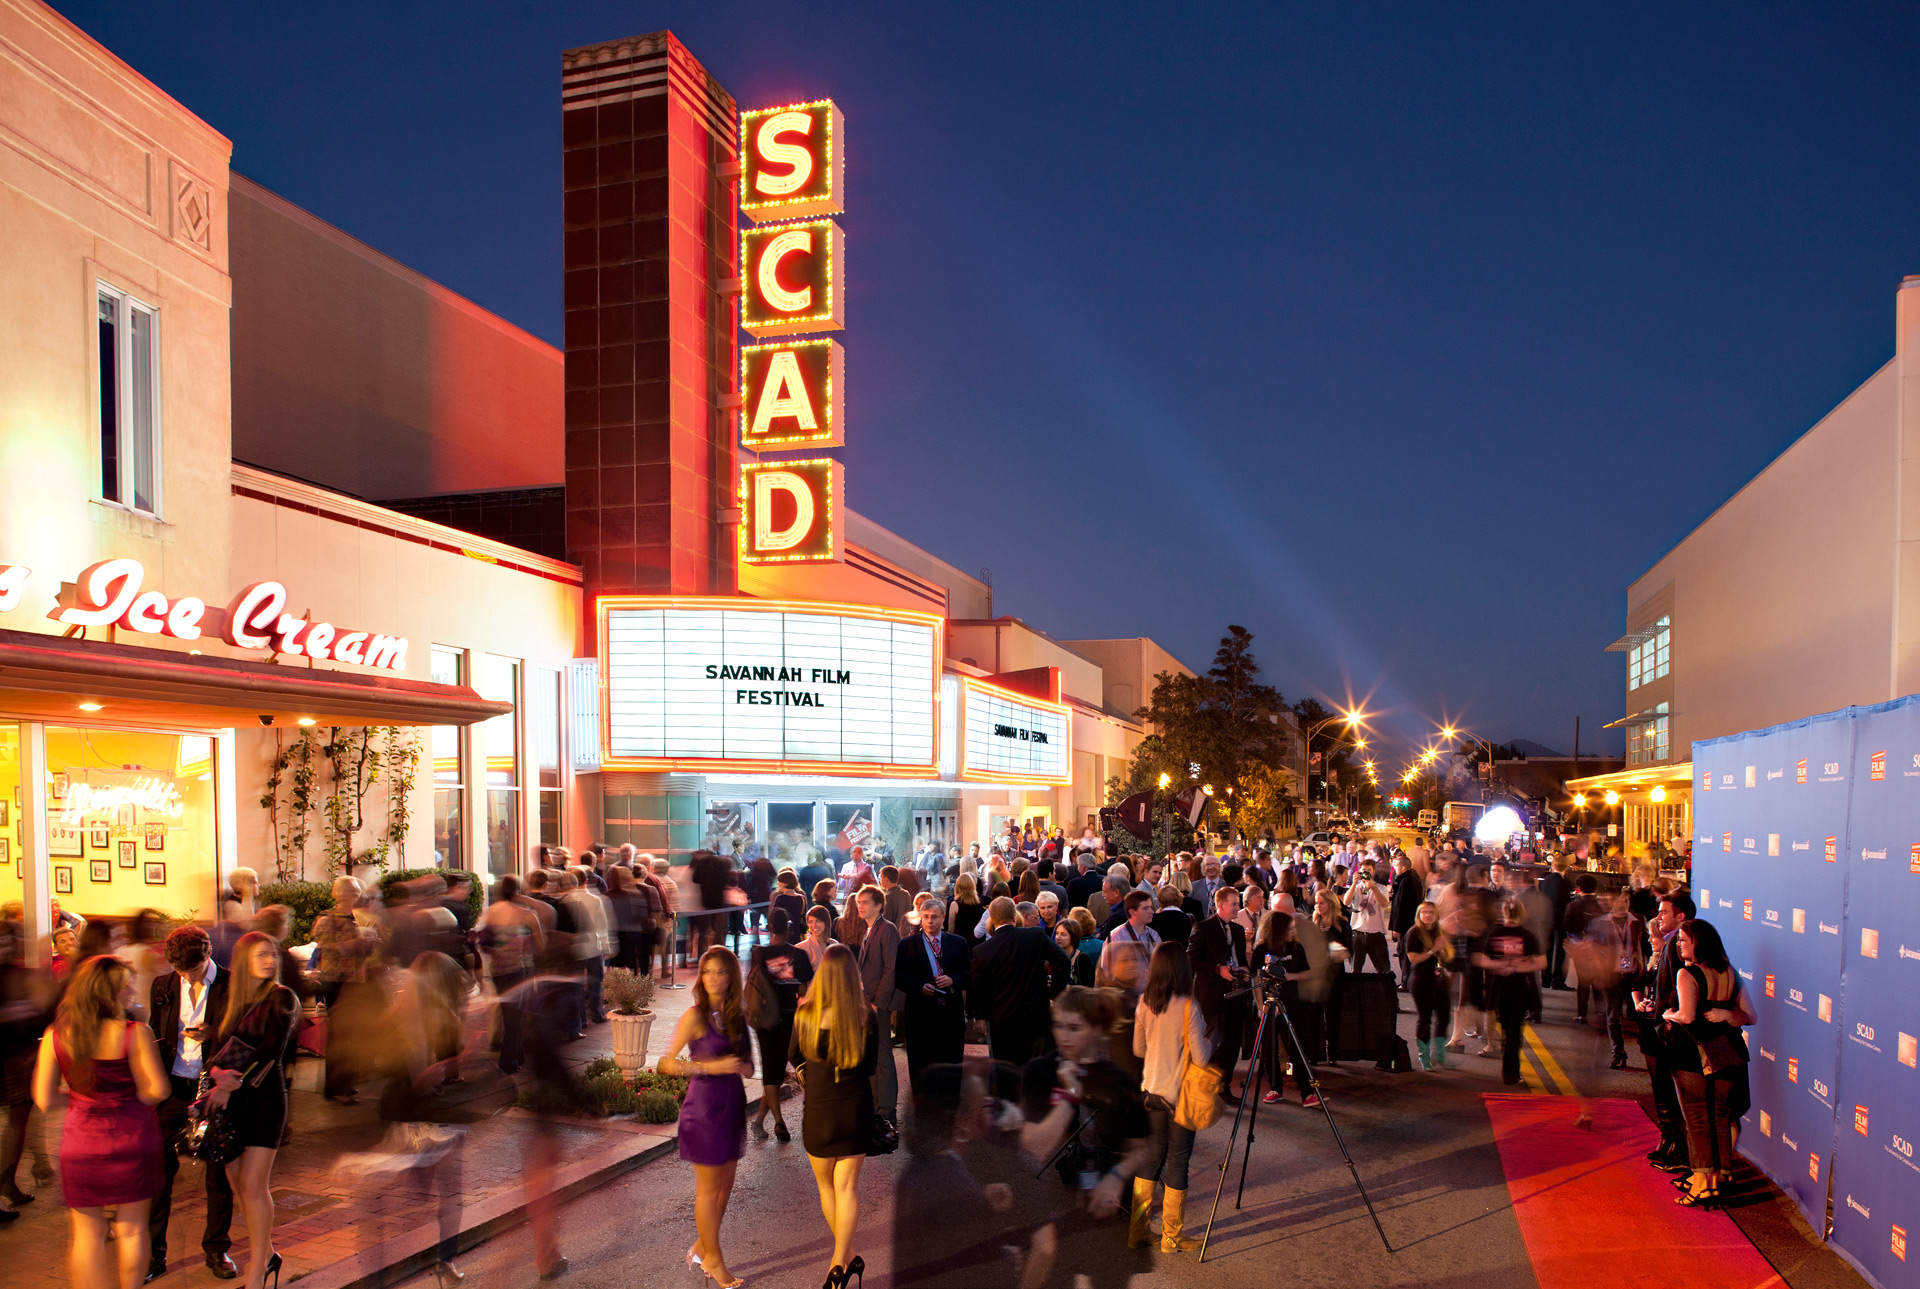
<point x="98" y="837"/>
<point x="63" y="879"/>
<point x="6" y="850"/>
<point x="63" y="841"/>
<point x="156" y="873"/>
<point x="156" y="837"/>
<point x="58" y="790"/>
<point x="129" y="854"/>
<point x="100" y="870"/>
<point x="3" y="813"/>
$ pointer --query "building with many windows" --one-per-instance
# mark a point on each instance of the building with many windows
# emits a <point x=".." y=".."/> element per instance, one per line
<point x="1799" y="595"/>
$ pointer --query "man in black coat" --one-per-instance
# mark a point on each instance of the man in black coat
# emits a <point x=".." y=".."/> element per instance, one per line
<point x="184" y="1005"/>
<point x="1404" y="902"/>
<point x="1559" y="893"/>
<point x="1082" y="887"/>
<point x="1654" y="996"/>
<point x="933" y="972"/>
<point x="1218" y="952"/>
<point x="1016" y="973"/>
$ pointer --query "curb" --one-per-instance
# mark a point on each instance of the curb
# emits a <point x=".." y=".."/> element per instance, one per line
<point x="402" y="1257"/>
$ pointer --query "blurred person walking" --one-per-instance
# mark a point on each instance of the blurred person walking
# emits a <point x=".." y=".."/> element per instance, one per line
<point x="713" y="1118"/>
<point x="26" y="1002"/>
<point x="110" y="1146"/>
<point x="252" y="1045"/>
<point x="1511" y="956"/>
<point x="510" y="939"/>
<point x="836" y="1043"/>
<point x="345" y="938"/>
<point x="787" y="970"/>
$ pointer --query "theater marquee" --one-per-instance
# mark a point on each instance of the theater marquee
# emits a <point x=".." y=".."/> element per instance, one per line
<point x="1014" y="738"/>
<point x="714" y="684"/>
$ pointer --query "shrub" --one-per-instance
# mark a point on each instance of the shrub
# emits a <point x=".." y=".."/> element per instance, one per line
<point x="603" y="1065"/>
<point x="393" y="879"/>
<point x="609" y="1094"/>
<point x="308" y="900"/>
<point x="627" y="992"/>
<point x="673" y="1085"/>
<point x="656" y="1107"/>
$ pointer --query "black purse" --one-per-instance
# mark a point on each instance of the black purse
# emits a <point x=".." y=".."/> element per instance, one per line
<point x="209" y="1135"/>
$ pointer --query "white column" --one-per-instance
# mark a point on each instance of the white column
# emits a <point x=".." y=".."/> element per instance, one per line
<point x="35" y="872"/>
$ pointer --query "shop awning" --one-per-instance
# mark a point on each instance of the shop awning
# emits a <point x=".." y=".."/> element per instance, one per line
<point x="1645" y="778"/>
<point x="48" y="677"/>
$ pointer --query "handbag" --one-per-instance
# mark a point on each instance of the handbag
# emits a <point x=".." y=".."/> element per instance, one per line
<point x="760" y="1001"/>
<point x="209" y="1134"/>
<point x="1199" y="1103"/>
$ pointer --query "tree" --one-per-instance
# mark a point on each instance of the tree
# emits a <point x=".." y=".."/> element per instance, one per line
<point x="1227" y="723"/>
<point x="1271" y="795"/>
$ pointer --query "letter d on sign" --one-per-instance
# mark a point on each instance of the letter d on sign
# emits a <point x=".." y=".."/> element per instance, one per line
<point x="768" y="539"/>
<point x="791" y="512"/>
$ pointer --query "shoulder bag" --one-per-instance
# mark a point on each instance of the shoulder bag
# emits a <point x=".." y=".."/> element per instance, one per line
<point x="209" y="1134"/>
<point x="761" y="1000"/>
<point x="1199" y="1103"/>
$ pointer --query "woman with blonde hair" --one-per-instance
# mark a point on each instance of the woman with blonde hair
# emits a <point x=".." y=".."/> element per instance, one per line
<point x="836" y="1043"/>
<point x="713" y="1118"/>
<point x="965" y="910"/>
<point x="249" y="1055"/>
<point x="110" y="1147"/>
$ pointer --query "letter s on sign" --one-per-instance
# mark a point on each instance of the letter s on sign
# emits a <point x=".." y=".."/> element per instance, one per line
<point x="766" y="141"/>
<point x="254" y="613"/>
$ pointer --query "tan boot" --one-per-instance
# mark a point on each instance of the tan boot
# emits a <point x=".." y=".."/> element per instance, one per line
<point x="1138" y="1236"/>
<point x="1173" y="1213"/>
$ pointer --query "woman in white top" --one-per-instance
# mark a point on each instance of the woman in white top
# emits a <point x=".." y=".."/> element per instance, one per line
<point x="1167" y="1034"/>
<point x="1367" y="903"/>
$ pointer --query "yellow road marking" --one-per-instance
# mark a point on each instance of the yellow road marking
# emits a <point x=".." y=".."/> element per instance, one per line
<point x="1540" y="1053"/>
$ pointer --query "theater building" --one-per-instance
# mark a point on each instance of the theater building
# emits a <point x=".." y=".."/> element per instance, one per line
<point x="310" y="565"/>
<point x="1799" y="595"/>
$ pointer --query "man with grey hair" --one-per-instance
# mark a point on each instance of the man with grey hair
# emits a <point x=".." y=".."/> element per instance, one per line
<point x="1108" y="907"/>
<point x="1016" y="973"/>
<point x="1029" y="913"/>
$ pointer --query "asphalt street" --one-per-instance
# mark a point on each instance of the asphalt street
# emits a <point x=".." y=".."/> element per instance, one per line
<point x="1421" y="1141"/>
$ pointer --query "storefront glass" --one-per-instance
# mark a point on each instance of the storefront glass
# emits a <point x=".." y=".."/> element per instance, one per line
<point x="730" y="828"/>
<point x="848" y="825"/>
<point x="499" y="739"/>
<point x="449" y="791"/>
<point x="543" y="707"/>
<point x="790" y="831"/>
<point x="131" y="821"/>
<point x="12" y="885"/>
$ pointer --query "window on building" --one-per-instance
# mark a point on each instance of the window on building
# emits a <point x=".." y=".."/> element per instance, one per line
<point x="1648" y="740"/>
<point x="1648" y="660"/>
<point x="543" y="710"/>
<point x="449" y="772"/>
<point x="129" y="354"/>
<point x="498" y="743"/>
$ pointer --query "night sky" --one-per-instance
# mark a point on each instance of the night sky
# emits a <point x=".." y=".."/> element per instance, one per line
<point x="1405" y="338"/>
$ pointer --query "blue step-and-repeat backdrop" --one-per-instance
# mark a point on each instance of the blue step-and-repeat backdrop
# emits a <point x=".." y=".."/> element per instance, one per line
<point x="1806" y="859"/>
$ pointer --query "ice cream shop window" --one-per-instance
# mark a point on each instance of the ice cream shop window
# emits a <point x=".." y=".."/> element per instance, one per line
<point x="131" y="820"/>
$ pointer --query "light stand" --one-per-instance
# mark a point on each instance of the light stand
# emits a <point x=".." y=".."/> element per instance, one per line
<point x="1250" y="1099"/>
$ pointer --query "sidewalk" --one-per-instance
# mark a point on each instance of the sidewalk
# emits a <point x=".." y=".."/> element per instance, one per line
<point x="335" y="1232"/>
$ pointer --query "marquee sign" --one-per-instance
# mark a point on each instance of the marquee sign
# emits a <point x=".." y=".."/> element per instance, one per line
<point x="1014" y="738"/>
<point x="791" y="395"/>
<point x="791" y="164"/>
<point x="110" y="593"/>
<point x="717" y="683"/>
<point x="790" y="512"/>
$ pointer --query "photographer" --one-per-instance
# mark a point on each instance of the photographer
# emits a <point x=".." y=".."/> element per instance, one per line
<point x="1281" y="963"/>
<point x="1218" y="952"/>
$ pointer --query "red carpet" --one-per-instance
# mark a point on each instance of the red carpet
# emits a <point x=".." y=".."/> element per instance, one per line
<point x="1595" y="1216"/>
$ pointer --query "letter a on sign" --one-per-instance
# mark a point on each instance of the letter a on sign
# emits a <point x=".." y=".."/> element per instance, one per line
<point x="790" y="395"/>
<point x="791" y="512"/>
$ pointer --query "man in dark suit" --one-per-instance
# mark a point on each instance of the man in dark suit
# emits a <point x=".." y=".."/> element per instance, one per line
<point x="879" y="953"/>
<point x="1218" y="952"/>
<point x="935" y="968"/>
<point x="1016" y="973"/>
<point x="1407" y="895"/>
<point x="1559" y="892"/>
<point x="185" y="1006"/>
<point x="1654" y="997"/>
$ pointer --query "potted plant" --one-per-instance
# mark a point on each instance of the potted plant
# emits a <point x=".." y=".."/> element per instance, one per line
<point x="630" y="1013"/>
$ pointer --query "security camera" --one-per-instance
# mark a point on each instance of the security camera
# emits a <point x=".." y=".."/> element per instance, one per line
<point x="266" y="718"/>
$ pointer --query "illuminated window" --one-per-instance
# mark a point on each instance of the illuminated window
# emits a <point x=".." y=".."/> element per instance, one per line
<point x="129" y="354"/>
<point x="1648" y="660"/>
<point x="498" y="740"/>
<point x="449" y="777"/>
<point x="1647" y="740"/>
<point x="543" y="712"/>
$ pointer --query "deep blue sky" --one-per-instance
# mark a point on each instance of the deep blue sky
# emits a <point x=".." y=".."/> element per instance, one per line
<point x="1405" y="338"/>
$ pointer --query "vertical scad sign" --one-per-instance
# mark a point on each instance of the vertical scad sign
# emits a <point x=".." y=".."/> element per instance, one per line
<point x="792" y="280"/>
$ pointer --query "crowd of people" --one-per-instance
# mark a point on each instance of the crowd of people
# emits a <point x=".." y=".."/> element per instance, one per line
<point x="1100" y="985"/>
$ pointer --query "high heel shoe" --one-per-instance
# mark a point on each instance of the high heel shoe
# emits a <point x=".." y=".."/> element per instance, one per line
<point x="758" y="1126"/>
<point x="780" y="1132"/>
<point x="694" y="1264"/>
<point x="836" y="1277"/>
<point x="856" y="1270"/>
<point x="1708" y="1198"/>
<point x="272" y="1270"/>
<point x="445" y="1273"/>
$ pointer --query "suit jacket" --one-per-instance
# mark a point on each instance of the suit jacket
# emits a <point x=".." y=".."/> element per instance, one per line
<point x="1559" y="893"/>
<point x="163" y="1012"/>
<point x="1016" y="972"/>
<point x="914" y="971"/>
<point x="1208" y="951"/>
<point x="1657" y="982"/>
<point x="879" y="962"/>
<point x="1408" y="895"/>
<point x="896" y="904"/>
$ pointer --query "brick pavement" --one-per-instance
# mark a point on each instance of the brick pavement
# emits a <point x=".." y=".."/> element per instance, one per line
<point x="333" y="1229"/>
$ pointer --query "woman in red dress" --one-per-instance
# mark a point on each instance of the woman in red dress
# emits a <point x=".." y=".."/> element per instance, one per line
<point x="110" y="1149"/>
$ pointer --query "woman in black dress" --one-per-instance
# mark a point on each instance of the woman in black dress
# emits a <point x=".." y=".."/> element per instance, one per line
<point x="1280" y="953"/>
<point x="836" y="1043"/>
<point x="789" y="970"/>
<point x="250" y="1054"/>
<point x="786" y="895"/>
<point x="1511" y="957"/>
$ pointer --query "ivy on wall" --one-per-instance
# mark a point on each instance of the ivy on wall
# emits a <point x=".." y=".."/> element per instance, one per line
<point x="353" y="763"/>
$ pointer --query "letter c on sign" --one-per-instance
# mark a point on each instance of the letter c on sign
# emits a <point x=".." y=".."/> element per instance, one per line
<point x="254" y="613"/>
<point x="795" y="241"/>
<point x="765" y="536"/>
<point x="766" y="142"/>
<point x="104" y="592"/>
<point x="147" y="613"/>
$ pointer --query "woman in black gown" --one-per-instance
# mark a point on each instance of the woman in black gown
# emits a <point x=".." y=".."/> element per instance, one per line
<point x="250" y="1056"/>
<point x="836" y="1044"/>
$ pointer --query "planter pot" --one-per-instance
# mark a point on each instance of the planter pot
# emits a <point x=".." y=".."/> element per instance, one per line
<point x="630" y="1035"/>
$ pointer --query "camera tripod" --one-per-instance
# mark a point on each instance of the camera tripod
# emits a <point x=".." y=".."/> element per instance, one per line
<point x="1248" y="1109"/>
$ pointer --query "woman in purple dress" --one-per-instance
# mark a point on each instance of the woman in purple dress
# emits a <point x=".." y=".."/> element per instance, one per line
<point x="713" y="1118"/>
<point x="110" y="1148"/>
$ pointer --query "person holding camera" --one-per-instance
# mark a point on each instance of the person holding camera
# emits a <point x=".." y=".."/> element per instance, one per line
<point x="1218" y="953"/>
